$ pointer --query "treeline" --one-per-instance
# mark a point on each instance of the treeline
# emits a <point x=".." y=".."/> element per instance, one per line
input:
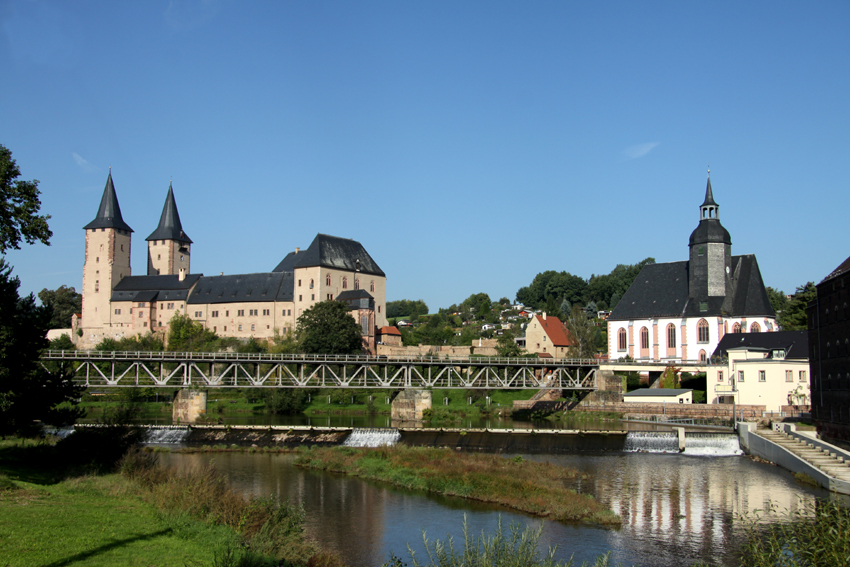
<point x="558" y="291"/>
<point x="406" y="308"/>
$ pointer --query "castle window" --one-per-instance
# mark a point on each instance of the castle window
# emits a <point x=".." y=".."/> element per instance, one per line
<point x="159" y="256"/>
<point x="171" y="306"/>
<point x="214" y="314"/>
<point x="372" y="286"/>
<point x="181" y="257"/>
<point x="240" y="327"/>
<point x="240" y="313"/>
<point x="252" y="313"/>
<point x="330" y="296"/>
<point x="122" y="248"/>
<point x="198" y="314"/>
<point x="145" y="324"/>
<point x="253" y="327"/>
<point x="328" y="279"/>
<point x="311" y="284"/>
<point x="289" y="312"/>
<point x="755" y="328"/>
<point x="266" y="312"/>
<point x="97" y="261"/>
<point x="226" y="314"/>
<point x="118" y="312"/>
<point x="299" y="298"/>
<point x="621" y="339"/>
<point x="141" y="314"/>
<point x="142" y="304"/>
<point x="702" y="331"/>
<point x="96" y="285"/>
<point x="344" y="283"/>
<point x="356" y="283"/>
<point x="671" y="335"/>
<point x="701" y="251"/>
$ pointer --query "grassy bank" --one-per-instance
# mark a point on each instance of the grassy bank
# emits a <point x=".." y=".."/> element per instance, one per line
<point x="143" y="515"/>
<point x="535" y="488"/>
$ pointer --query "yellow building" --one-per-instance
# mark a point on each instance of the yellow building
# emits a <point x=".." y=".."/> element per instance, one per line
<point x="117" y="304"/>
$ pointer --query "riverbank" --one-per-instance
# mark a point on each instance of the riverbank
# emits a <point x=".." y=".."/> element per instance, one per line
<point x="143" y="515"/>
<point x="536" y="488"/>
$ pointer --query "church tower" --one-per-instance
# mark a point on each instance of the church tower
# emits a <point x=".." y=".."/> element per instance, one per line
<point x="169" y="248"/>
<point x="107" y="259"/>
<point x="710" y="252"/>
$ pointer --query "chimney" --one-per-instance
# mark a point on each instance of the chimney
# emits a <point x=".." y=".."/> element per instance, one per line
<point x="544" y="315"/>
<point x="182" y="275"/>
<point x="297" y="250"/>
<point x="221" y="273"/>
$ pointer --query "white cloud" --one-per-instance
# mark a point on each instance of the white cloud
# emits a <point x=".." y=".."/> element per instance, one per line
<point x="640" y="150"/>
<point x="82" y="162"/>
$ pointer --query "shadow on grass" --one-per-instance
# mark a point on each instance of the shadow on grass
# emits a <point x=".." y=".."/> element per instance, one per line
<point x="36" y="465"/>
<point x="104" y="548"/>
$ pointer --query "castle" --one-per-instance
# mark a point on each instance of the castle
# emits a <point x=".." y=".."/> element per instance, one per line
<point x="118" y="304"/>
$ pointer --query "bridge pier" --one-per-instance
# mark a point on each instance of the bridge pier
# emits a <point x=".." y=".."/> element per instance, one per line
<point x="189" y="406"/>
<point x="409" y="405"/>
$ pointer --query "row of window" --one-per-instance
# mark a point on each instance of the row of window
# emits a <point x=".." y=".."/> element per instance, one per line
<point x="702" y="335"/>
<point x="251" y="313"/>
<point x="789" y="376"/>
<point x="343" y="283"/>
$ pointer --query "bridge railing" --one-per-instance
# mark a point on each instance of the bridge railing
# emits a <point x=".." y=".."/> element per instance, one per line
<point x="168" y="356"/>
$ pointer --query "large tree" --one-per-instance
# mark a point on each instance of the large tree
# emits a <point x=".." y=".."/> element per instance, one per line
<point x="19" y="207"/>
<point x="28" y="390"/>
<point x="582" y="333"/>
<point x="63" y="303"/>
<point x="793" y="317"/>
<point x="327" y="328"/>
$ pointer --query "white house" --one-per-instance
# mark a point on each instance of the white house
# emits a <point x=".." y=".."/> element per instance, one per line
<point x="660" y="396"/>
<point x="679" y="311"/>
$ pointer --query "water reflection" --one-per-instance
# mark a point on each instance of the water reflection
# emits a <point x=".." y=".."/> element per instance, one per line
<point x="676" y="509"/>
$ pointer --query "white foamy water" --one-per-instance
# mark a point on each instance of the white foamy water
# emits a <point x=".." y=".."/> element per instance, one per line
<point x="651" y="442"/>
<point x="374" y="437"/>
<point x="166" y="435"/>
<point x="712" y="444"/>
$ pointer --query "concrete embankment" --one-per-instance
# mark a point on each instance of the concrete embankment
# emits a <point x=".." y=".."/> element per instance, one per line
<point x="516" y="440"/>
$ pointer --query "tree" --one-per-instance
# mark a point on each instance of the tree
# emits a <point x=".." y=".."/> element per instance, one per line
<point x="29" y="391"/>
<point x="63" y="303"/>
<point x="778" y="300"/>
<point x="506" y="345"/>
<point x="793" y="317"/>
<point x="582" y="333"/>
<point x="327" y="328"/>
<point x="19" y="207"/>
<point x="188" y="335"/>
<point x="565" y="309"/>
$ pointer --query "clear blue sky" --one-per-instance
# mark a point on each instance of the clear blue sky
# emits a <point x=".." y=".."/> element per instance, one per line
<point x="467" y="145"/>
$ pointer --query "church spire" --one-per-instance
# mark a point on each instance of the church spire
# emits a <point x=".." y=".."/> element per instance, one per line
<point x="109" y="213"/>
<point x="709" y="208"/>
<point x="169" y="227"/>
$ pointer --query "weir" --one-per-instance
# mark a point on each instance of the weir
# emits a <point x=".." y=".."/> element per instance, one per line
<point x="373" y="437"/>
<point x="696" y="444"/>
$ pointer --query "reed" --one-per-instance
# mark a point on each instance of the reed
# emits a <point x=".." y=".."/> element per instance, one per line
<point x="536" y="488"/>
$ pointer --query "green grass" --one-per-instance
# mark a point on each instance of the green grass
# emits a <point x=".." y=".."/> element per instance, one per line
<point x="532" y="487"/>
<point x="99" y="521"/>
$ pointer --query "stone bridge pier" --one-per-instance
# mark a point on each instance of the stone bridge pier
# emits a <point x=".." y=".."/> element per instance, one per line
<point x="189" y="406"/>
<point x="408" y="405"/>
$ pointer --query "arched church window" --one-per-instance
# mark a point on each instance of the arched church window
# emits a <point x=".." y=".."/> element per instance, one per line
<point x="702" y="356"/>
<point x="671" y="336"/>
<point x="736" y="328"/>
<point x="344" y="282"/>
<point x="621" y="340"/>
<point x="644" y="338"/>
<point x="755" y="328"/>
<point x="702" y="331"/>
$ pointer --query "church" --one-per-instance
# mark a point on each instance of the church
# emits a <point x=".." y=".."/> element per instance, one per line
<point x="679" y="311"/>
<point x="117" y="304"/>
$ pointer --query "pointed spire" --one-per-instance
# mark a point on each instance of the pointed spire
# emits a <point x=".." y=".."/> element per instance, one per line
<point x="709" y="196"/>
<point x="109" y="213"/>
<point x="169" y="227"/>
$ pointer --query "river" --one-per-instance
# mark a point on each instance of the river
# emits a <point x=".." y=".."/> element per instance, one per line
<point x="676" y="509"/>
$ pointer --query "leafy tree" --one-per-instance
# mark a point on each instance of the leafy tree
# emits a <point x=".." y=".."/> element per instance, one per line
<point x="29" y="391"/>
<point x="144" y="343"/>
<point x="19" y="206"/>
<point x="62" y="342"/>
<point x="327" y="328"/>
<point x="406" y="308"/>
<point x="591" y="310"/>
<point x="793" y="317"/>
<point x="565" y="309"/>
<point x="283" y="344"/>
<point x="669" y="378"/>
<point x="63" y="303"/>
<point x="582" y="333"/>
<point x="284" y="401"/>
<point x="778" y="300"/>
<point x="188" y="335"/>
<point x="615" y="299"/>
<point x="506" y="345"/>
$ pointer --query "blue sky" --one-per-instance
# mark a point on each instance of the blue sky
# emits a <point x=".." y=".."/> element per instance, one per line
<point x="467" y="145"/>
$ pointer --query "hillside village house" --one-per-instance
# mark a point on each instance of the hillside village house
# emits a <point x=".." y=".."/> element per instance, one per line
<point x="769" y="369"/>
<point x="117" y="304"/>
<point x="679" y="311"/>
<point x="547" y="337"/>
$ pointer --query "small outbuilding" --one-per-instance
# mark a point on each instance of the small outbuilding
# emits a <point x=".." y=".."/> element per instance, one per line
<point x="660" y="396"/>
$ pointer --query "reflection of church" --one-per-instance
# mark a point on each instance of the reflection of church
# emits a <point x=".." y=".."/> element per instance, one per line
<point x="680" y="310"/>
<point x="117" y="304"/>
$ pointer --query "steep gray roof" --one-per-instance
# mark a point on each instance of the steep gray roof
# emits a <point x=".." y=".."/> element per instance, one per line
<point x="661" y="290"/>
<point x="709" y="196"/>
<point x="841" y="269"/>
<point x="170" y="227"/>
<point x="243" y="288"/>
<point x="709" y="230"/>
<point x="357" y="299"/>
<point x="287" y="264"/>
<point x="795" y="343"/>
<point x="337" y="253"/>
<point x="109" y="213"/>
<point x="154" y="288"/>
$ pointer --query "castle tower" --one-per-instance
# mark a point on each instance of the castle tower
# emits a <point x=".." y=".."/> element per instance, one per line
<point x="710" y="252"/>
<point x="169" y="248"/>
<point x="107" y="259"/>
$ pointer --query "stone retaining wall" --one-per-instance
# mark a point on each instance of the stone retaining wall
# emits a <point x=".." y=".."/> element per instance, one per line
<point x="641" y="409"/>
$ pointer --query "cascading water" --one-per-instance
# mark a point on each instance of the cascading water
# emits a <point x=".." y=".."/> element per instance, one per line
<point x="166" y="434"/>
<point x="712" y="444"/>
<point x="651" y="442"/>
<point x="60" y="432"/>
<point x="372" y="437"/>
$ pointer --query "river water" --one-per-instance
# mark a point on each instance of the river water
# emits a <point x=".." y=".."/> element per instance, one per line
<point x="676" y="509"/>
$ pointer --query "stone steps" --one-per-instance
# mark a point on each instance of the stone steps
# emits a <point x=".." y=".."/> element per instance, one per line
<point x="830" y="463"/>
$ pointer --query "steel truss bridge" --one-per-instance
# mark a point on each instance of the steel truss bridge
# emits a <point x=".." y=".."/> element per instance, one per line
<point x="249" y="370"/>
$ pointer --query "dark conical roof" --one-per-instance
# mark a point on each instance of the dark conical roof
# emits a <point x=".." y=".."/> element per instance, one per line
<point x="109" y="213"/>
<point x="169" y="223"/>
<point x="709" y="196"/>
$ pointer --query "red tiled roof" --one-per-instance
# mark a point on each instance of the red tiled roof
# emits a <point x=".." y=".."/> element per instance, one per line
<point x="544" y="355"/>
<point x="555" y="330"/>
<point x="389" y="331"/>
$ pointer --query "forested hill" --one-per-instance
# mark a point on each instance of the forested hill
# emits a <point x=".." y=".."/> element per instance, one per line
<point x="550" y="289"/>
